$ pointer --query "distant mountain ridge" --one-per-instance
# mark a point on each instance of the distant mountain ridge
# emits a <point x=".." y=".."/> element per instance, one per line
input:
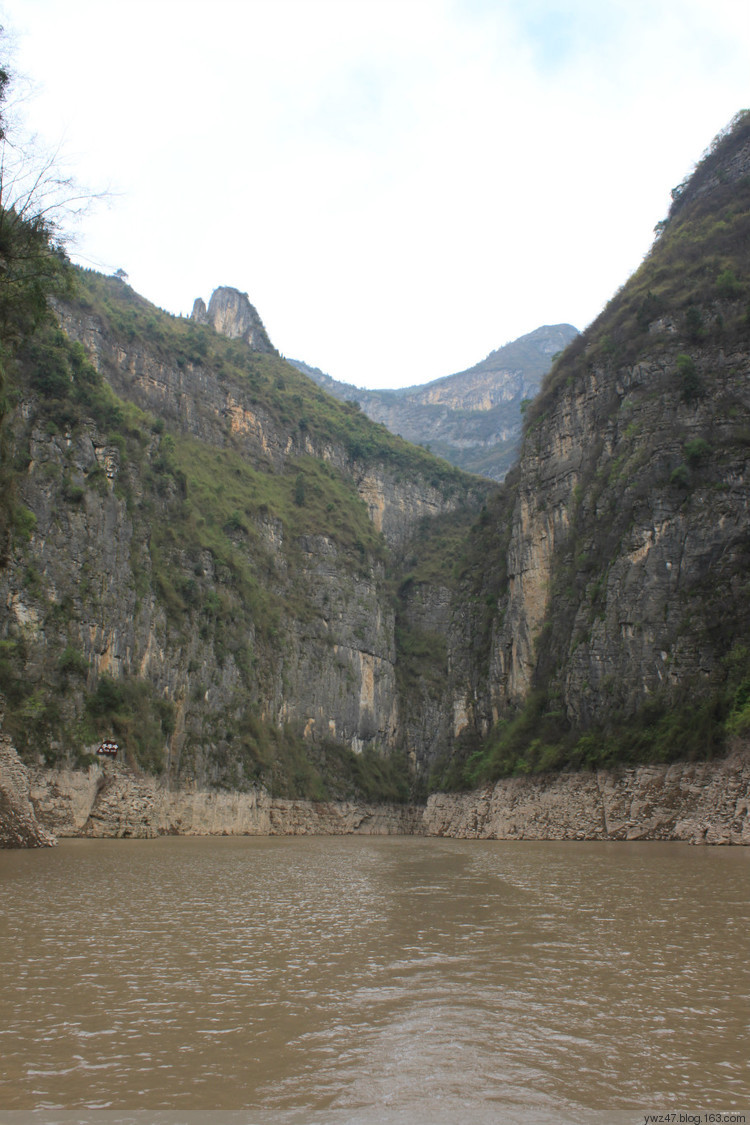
<point x="472" y="418"/>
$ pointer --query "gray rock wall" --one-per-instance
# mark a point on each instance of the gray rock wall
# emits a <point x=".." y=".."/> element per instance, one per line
<point x="331" y="671"/>
<point x="230" y="313"/>
<point x="630" y="535"/>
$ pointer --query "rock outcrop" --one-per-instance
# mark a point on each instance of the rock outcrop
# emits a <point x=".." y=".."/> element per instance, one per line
<point x="110" y="801"/>
<point x="230" y="313"/>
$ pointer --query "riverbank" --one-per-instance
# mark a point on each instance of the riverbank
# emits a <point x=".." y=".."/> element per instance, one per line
<point x="111" y="801"/>
<point x="695" y="802"/>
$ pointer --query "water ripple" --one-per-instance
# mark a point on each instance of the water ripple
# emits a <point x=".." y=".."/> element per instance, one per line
<point x="342" y="975"/>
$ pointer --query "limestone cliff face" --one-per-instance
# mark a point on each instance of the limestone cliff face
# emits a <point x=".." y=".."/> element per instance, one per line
<point x="19" y="826"/>
<point x="110" y="802"/>
<point x="630" y="533"/>
<point x="332" y="674"/>
<point x="444" y="683"/>
<point x="397" y="506"/>
<point x="698" y="803"/>
<point x="630" y="509"/>
<point x="226" y="627"/>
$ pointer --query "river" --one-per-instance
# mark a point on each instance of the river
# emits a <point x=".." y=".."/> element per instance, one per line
<point x="374" y="979"/>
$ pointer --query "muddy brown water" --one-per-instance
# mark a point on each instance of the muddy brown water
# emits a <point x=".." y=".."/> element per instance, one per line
<point x="374" y="979"/>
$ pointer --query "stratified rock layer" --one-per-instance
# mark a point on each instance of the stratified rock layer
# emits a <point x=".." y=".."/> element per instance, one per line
<point x="112" y="802"/>
<point x="698" y="803"/>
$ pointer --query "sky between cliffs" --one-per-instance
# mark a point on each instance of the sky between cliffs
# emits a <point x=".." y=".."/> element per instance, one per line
<point x="400" y="186"/>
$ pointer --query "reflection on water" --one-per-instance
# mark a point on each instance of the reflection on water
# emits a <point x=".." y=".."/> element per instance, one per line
<point x="426" y="979"/>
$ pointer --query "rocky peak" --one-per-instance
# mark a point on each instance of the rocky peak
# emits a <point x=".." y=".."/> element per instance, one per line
<point x="199" y="313"/>
<point x="231" y="314"/>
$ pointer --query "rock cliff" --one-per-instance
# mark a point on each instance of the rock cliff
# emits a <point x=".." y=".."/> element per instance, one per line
<point x="110" y="802"/>
<point x="19" y="825"/>
<point x="209" y="555"/>
<point x="625" y="612"/>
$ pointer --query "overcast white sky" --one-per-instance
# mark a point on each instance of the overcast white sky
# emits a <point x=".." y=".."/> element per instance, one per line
<point x="400" y="186"/>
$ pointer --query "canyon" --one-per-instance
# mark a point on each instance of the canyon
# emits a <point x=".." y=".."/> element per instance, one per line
<point x="293" y="619"/>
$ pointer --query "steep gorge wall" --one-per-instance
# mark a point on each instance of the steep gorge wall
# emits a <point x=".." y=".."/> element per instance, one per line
<point x="614" y="544"/>
<point x="107" y="583"/>
<point x="445" y="697"/>
<point x="630" y="540"/>
<point x="94" y="592"/>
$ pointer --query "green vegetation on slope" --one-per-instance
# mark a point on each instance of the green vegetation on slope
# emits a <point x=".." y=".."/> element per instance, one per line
<point x="218" y="541"/>
<point x="695" y="282"/>
<point x="289" y="398"/>
<point x="539" y="738"/>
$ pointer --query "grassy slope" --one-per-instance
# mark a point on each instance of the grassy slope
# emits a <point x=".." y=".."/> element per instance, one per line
<point x="291" y="399"/>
